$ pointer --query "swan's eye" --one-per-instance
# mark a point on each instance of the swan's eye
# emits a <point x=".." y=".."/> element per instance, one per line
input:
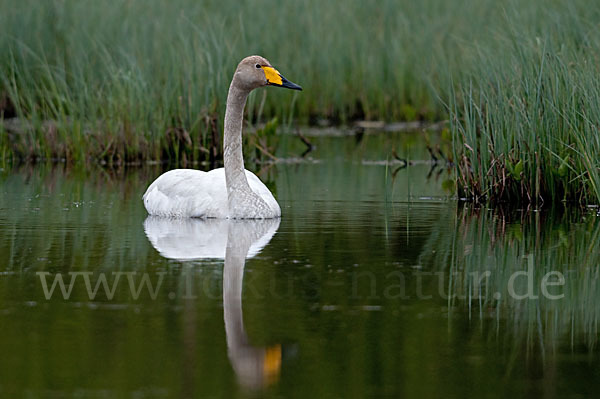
<point x="257" y="66"/>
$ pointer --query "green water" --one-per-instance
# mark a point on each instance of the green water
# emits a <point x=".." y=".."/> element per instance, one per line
<point x="365" y="288"/>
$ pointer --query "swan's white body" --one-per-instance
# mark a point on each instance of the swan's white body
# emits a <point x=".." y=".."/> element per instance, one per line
<point x="231" y="192"/>
<point x="194" y="193"/>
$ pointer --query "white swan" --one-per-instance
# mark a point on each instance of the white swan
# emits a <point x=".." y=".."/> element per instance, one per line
<point x="229" y="192"/>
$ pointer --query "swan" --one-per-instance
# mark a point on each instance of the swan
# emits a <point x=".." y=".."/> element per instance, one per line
<point x="234" y="241"/>
<point x="230" y="192"/>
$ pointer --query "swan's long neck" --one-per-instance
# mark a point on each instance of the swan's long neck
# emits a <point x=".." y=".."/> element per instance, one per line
<point x="232" y="139"/>
<point x="242" y="201"/>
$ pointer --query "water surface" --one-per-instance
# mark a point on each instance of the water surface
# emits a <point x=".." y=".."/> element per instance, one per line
<point x="369" y="286"/>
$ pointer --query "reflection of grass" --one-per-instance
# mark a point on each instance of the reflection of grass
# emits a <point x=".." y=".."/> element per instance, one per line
<point x="48" y="202"/>
<point x="490" y="243"/>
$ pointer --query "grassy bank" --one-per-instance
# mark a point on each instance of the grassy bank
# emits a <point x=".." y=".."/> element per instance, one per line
<point x="146" y="80"/>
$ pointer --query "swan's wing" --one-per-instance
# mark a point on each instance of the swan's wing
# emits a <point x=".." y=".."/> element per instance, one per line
<point x="263" y="192"/>
<point x="188" y="193"/>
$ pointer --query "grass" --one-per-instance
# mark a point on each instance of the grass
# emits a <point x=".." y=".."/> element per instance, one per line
<point x="135" y="80"/>
<point x="526" y="118"/>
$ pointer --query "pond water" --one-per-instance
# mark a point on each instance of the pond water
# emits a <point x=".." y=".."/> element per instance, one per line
<point x="372" y="284"/>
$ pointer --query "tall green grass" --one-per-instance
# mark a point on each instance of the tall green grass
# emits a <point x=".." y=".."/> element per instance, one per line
<point x="526" y="117"/>
<point x="129" y="80"/>
<point x="133" y="80"/>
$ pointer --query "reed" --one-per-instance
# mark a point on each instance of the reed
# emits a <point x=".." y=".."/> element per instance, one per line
<point x="526" y="119"/>
<point x="133" y="80"/>
<point x="137" y="80"/>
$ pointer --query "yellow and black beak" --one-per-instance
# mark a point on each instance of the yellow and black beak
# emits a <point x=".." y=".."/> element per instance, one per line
<point x="274" y="78"/>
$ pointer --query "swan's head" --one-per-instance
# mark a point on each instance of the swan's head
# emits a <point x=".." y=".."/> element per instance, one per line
<point x="255" y="71"/>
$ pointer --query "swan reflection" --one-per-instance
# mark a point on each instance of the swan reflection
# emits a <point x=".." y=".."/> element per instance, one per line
<point x="234" y="241"/>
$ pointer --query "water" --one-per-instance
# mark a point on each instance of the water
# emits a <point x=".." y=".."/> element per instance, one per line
<point x="369" y="286"/>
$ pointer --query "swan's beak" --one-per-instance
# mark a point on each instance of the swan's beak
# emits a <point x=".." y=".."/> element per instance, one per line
<point x="274" y="78"/>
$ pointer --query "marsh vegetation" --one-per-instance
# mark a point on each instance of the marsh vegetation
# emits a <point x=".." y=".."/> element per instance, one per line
<point x="139" y="80"/>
